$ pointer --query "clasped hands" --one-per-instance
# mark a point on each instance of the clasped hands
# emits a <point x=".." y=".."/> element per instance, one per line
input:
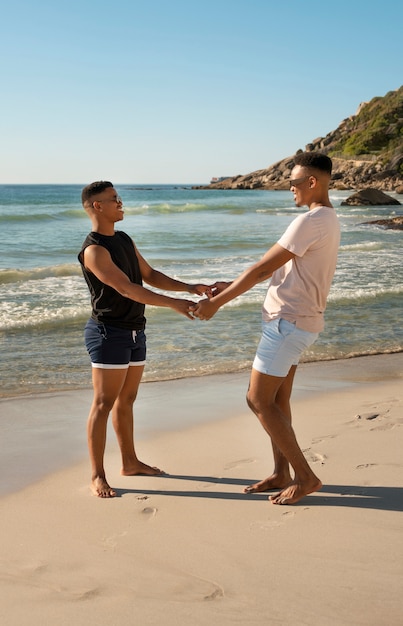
<point x="206" y="309"/>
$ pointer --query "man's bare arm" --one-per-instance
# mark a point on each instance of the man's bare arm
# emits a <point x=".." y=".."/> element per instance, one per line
<point x="257" y="273"/>
<point x="98" y="260"/>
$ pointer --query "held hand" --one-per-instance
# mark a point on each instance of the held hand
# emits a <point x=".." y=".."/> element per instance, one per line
<point x="184" y="307"/>
<point x="217" y="288"/>
<point x="199" y="289"/>
<point x="205" y="310"/>
<point x="208" y="290"/>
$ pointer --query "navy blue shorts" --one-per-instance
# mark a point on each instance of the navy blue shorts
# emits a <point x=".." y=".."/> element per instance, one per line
<point x="114" y="348"/>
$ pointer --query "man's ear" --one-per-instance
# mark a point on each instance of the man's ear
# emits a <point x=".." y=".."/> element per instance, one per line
<point x="97" y="206"/>
<point x="313" y="181"/>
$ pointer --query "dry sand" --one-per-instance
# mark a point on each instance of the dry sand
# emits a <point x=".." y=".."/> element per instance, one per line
<point x="190" y="548"/>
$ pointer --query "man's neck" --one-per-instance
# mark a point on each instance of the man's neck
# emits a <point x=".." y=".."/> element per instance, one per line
<point x="103" y="229"/>
<point x="317" y="203"/>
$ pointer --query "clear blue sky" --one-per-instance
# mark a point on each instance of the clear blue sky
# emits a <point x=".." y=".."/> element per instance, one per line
<point x="179" y="91"/>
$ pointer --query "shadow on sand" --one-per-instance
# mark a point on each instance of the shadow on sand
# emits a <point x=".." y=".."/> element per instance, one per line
<point x="356" y="496"/>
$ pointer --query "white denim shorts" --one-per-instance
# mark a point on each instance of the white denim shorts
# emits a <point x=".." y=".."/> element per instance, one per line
<point x="280" y="347"/>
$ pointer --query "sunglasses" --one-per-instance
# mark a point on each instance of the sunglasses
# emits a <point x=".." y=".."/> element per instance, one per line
<point x="297" y="181"/>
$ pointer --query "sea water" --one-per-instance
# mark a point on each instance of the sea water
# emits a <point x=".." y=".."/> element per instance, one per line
<point x="196" y="236"/>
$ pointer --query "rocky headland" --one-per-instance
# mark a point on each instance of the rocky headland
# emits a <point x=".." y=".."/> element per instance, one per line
<point x="366" y="150"/>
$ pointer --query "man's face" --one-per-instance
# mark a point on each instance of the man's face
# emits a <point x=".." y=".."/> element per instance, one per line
<point x="300" y="185"/>
<point x="110" y="204"/>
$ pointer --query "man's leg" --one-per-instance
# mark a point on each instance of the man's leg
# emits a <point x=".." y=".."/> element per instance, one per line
<point x="107" y="384"/>
<point x="123" y="423"/>
<point x="281" y="476"/>
<point x="263" y="400"/>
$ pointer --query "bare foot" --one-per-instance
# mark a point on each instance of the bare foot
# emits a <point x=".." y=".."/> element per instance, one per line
<point x="100" y="488"/>
<point x="140" y="468"/>
<point x="275" y="481"/>
<point x="295" y="491"/>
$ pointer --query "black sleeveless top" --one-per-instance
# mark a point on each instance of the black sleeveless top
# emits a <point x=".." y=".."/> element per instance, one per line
<point x="108" y="306"/>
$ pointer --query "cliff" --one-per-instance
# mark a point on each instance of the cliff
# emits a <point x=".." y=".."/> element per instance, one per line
<point x="366" y="149"/>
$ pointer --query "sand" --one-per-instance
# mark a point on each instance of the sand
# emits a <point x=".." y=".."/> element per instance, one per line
<point x="190" y="548"/>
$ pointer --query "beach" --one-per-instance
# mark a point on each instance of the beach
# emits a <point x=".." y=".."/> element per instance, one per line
<point x="195" y="236"/>
<point x="190" y="547"/>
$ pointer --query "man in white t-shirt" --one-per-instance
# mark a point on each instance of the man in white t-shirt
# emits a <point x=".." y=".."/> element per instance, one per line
<point x="301" y="266"/>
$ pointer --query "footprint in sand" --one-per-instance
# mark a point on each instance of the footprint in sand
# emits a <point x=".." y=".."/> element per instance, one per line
<point x="239" y="463"/>
<point x="371" y="465"/>
<point x="192" y="588"/>
<point x="383" y="420"/>
<point x="149" y="511"/>
<point x="366" y="466"/>
<point x="44" y="576"/>
<point x="321" y="439"/>
<point x="214" y="595"/>
<point x="378" y="411"/>
<point x="272" y="523"/>
<point x="112" y="541"/>
<point x="314" y="457"/>
<point x="367" y="416"/>
<point x="208" y="485"/>
<point x="267" y="525"/>
<point x="86" y="594"/>
<point x="26" y="570"/>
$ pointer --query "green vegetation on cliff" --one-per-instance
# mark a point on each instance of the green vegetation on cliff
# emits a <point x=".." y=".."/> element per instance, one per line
<point x="366" y="149"/>
<point x="377" y="130"/>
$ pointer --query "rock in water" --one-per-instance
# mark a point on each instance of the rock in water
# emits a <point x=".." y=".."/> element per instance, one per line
<point x="369" y="197"/>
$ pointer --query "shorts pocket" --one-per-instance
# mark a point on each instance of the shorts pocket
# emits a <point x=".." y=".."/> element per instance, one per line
<point x="285" y="328"/>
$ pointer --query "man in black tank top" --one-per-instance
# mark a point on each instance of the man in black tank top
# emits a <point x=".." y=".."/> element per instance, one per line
<point x="114" y="271"/>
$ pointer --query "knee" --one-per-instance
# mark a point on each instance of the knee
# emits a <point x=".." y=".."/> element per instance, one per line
<point x="259" y="405"/>
<point x="253" y="402"/>
<point x="103" y="403"/>
<point x="126" y="400"/>
<point x="130" y="398"/>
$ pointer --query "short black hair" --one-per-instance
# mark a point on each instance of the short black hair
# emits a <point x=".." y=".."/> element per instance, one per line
<point x="316" y="160"/>
<point x="93" y="189"/>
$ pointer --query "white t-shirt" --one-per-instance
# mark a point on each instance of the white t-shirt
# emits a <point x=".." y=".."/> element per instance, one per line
<point x="299" y="289"/>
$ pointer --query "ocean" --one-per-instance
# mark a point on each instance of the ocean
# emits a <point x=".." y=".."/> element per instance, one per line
<point x="194" y="235"/>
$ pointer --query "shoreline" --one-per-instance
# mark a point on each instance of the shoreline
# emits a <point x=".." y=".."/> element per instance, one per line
<point x="145" y="381"/>
<point x="190" y="547"/>
<point x="45" y="432"/>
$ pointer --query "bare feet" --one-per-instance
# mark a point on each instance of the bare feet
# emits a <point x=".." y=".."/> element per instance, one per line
<point x="100" y="488"/>
<point x="295" y="491"/>
<point x="140" y="468"/>
<point x="275" y="481"/>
